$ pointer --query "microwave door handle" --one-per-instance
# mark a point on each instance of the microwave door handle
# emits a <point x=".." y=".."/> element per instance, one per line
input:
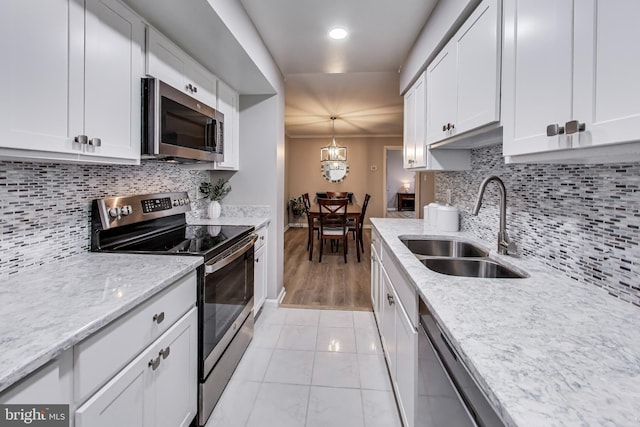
<point x="209" y="131"/>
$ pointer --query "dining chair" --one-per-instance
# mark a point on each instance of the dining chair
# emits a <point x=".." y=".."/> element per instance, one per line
<point x="357" y="226"/>
<point x="313" y="224"/>
<point x="333" y="223"/>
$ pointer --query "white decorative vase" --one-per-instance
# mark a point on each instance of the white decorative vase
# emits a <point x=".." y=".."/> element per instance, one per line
<point x="213" y="210"/>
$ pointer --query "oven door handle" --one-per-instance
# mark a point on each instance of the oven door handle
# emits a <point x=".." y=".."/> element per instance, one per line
<point x="217" y="263"/>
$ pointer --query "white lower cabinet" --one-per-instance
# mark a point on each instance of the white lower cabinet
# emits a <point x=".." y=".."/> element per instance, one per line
<point x="400" y="343"/>
<point x="158" y="388"/>
<point x="259" y="279"/>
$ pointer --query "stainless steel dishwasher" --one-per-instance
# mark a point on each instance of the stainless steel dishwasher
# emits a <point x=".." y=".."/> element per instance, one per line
<point x="447" y="395"/>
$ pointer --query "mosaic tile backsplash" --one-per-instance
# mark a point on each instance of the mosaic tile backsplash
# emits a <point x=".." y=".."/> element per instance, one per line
<point x="583" y="220"/>
<point x="45" y="208"/>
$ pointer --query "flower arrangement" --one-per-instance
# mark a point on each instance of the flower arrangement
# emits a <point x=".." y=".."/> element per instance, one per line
<point x="215" y="192"/>
<point x="297" y="206"/>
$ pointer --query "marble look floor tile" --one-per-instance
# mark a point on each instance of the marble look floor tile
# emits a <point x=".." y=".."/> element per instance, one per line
<point x="380" y="409"/>
<point x="303" y="317"/>
<point x="298" y="337"/>
<point x="336" y="370"/>
<point x="253" y="364"/>
<point x="336" y="318"/>
<point x="368" y="341"/>
<point x="373" y="372"/>
<point x="235" y="404"/>
<point x="290" y="367"/>
<point x="335" y="407"/>
<point x="271" y="316"/>
<point x="266" y="335"/>
<point x="280" y="405"/>
<point x="364" y="320"/>
<point x="336" y="339"/>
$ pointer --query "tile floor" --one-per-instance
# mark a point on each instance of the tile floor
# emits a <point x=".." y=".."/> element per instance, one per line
<point x="310" y="368"/>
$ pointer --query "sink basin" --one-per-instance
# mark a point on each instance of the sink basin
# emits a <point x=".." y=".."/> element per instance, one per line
<point x="483" y="268"/>
<point x="444" y="247"/>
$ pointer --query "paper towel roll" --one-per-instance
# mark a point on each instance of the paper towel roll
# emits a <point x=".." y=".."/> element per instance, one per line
<point x="447" y="218"/>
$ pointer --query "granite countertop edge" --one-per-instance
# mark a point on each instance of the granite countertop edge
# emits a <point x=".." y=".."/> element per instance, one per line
<point x="545" y="349"/>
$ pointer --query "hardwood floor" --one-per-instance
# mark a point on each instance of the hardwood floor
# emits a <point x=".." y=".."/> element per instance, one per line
<point x="331" y="284"/>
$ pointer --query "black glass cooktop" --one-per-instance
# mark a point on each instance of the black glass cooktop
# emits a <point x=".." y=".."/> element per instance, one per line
<point x="206" y="240"/>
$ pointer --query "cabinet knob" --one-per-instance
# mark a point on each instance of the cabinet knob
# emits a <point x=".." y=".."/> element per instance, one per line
<point x="165" y="353"/>
<point x="444" y="128"/>
<point x="81" y="139"/>
<point x="257" y="260"/>
<point x="554" y="129"/>
<point x="154" y="363"/>
<point x="390" y="299"/>
<point x="159" y="317"/>
<point x="96" y="142"/>
<point x="195" y="89"/>
<point x="574" y="126"/>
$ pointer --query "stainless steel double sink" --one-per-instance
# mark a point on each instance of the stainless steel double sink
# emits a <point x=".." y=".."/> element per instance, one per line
<point x="458" y="258"/>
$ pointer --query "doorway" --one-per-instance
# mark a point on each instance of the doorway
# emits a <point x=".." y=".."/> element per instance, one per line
<point x="401" y="186"/>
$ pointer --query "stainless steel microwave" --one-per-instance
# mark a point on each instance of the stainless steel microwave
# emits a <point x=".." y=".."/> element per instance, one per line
<point x="177" y="127"/>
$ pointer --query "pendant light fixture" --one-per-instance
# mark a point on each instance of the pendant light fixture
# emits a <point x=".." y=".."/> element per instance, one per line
<point x="333" y="152"/>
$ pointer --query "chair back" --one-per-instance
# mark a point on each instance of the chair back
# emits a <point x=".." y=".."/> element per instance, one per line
<point x="306" y="202"/>
<point x="364" y="207"/>
<point x="333" y="213"/>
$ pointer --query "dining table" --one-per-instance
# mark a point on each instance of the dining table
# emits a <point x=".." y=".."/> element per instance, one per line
<point x="353" y="212"/>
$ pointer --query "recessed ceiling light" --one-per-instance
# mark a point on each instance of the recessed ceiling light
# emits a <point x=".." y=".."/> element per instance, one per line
<point x="338" y="33"/>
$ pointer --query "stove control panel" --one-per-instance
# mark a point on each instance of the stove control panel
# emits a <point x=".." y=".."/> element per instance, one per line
<point x="117" y="211"/>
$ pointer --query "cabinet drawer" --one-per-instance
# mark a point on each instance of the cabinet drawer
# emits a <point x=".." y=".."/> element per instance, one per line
<point x="100" y="356"/>
<point x="262" y="237"/>
<point x="405" y="290"/>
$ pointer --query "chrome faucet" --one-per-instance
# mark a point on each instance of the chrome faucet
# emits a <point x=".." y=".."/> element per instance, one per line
<point x="505" y="246"/>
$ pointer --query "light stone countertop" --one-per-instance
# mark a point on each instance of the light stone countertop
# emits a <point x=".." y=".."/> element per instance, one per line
<point x="255" y="222"/>
<point x="43" y="312"/>
<point x="546" y="350"/>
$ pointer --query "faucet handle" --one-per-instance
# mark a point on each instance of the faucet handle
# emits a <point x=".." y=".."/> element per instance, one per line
<point x="508" y="247"/>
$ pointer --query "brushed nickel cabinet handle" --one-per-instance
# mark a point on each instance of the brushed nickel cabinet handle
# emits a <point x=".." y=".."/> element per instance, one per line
<point x="81" y="139"/>
<point x="574" y="126"/>
<point x="159" y="317"/>
<point x="96" y="142"/>
<point x="554" y="129"/>
<point x="165" y="353"/>
<point x="390" y="299"/>
<point x="154" y="363"/>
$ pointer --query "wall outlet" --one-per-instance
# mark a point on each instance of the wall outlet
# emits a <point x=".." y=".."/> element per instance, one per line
<point x="374" y="168"/>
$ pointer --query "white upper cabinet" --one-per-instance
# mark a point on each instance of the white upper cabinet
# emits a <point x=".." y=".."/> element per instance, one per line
<point x="463" y="81"/>
<point x="70" y="87"/>
<point x="228" y="104"/>
<point x="114" y="65"/>
<point x="570" y="80"/>
<point x="172" y="65"/>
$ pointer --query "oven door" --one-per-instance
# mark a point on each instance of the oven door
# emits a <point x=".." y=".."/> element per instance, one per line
<point x="225" y="301"/>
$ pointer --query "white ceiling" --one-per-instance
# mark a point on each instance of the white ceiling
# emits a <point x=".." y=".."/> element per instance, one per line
<point x="355" y="79"/>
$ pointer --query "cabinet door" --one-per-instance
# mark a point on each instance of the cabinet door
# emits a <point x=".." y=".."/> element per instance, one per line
<point x="406" y="366"/>
<point x="202" y="81"/>
<point x="420" y="123"/>
<point x="375" y="284"/>
<point x="607" y="66"/>
<point x="388" y="330"/>
<point x="537" y="74"/>
<point x="127" y="400"/>
<point x="441" y="95"/>
<point x="40" y="39"/>
<point x="176" y="379"/>
<point x="114" y="65"/>
<point x="259" y="278"/>
<point x="228" y="104"/>
<point x="165" y="61"/>
<point x="478" y="68"/>
<point x="409" y="130"/>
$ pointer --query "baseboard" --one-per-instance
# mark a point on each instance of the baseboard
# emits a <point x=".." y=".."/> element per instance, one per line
<point x="275" y="302"/>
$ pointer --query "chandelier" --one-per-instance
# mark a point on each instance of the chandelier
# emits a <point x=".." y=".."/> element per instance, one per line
<point x="333" y="152"/>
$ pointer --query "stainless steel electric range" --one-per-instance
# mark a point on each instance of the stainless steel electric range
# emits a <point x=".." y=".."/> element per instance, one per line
<point x="156" y="224"/>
